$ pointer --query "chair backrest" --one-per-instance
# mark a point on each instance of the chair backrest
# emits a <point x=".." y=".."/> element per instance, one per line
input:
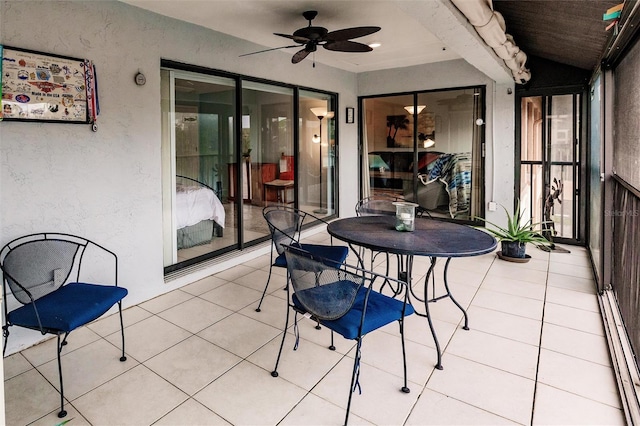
<point x="376" y="206"/>
<point x="285" y="225"/>
<point x="326" y="291"/>
<point x="36" y="265"/>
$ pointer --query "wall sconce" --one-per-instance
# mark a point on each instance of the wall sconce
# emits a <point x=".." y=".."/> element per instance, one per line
<point x="315" y="139"/>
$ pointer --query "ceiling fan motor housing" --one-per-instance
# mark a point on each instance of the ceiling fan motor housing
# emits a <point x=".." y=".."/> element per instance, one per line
<point x="311" y="33"/>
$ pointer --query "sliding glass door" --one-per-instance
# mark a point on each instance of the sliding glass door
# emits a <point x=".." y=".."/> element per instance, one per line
<point x="230" y="147"/>
<point x="426" y="147"/>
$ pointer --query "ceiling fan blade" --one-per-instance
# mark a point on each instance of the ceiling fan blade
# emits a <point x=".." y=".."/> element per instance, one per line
<point x="349" y="33"/>
<point x="296" y="38"/>
<point x="269" y="50"/>
<point x="346" y="46"/>
<point x="299" y="56"/>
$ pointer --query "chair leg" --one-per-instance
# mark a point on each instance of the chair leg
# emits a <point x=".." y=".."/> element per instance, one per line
<point x="265" y="288"/>
<point x="5" y="334"/>
<point x="123" y="357"/>
<point x="62" y="412"/>
<point x="354" y="381"/>
<point x="274" y="373"/>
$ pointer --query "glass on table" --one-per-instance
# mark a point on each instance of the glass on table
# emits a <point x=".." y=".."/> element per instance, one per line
<point x="405" y="216"/>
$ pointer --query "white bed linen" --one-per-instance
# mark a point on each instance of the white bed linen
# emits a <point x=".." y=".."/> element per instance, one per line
<point x="197" y="203"/>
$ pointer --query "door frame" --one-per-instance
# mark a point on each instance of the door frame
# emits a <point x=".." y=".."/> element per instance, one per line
<point x="581" y="126"/>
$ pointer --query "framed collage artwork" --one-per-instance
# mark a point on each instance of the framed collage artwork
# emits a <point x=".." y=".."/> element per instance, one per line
<point x="43" y="87"/>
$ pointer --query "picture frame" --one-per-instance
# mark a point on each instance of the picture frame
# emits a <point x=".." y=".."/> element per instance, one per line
<point x="400" y="129"/>
<point x="43" y="87"/>
<point x="350" y="115"/>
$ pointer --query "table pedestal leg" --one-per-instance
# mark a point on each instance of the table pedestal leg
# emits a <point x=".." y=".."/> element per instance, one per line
<point x="446" y="286"/>
<point x="405" y="267"/>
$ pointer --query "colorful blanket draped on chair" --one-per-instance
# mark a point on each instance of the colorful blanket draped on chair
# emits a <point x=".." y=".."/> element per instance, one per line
<point x="454" y="170"/>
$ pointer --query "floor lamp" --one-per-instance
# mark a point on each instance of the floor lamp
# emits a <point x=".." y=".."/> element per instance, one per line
<point x="321" y="113"/>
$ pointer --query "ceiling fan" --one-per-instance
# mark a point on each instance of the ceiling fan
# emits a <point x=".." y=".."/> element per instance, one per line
<point x="310" y="37"/>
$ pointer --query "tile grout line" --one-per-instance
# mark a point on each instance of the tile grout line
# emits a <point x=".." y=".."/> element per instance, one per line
<point x="424" y="388"/>
<point x="544" y="306"/>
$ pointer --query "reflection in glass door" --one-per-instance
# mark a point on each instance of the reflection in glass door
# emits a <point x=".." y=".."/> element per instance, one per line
<point x="426" y="147"/>
<point x="197" y="151"/>
<point x="267" y="153"/>
<point x="223" y="162"/>
<point x="317" y="148"/>
<point x="595" y="181"/>
<point x="549" y="162"/>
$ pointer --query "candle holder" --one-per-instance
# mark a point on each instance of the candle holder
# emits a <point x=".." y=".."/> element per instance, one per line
<point x="405" y="216"/>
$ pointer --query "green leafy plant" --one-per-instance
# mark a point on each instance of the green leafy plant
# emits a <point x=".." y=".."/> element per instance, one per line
<point x="518" y="230"/>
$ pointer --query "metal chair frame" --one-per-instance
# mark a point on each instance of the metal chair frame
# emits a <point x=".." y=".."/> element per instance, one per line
<point x="291" y="235"/>
<point x="368" y="280"/>
<point x="15" y="286"/>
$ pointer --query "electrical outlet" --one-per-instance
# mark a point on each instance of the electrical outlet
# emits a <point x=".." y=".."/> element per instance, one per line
<point x="493" y="206"/>
<point x="58" y="277"/>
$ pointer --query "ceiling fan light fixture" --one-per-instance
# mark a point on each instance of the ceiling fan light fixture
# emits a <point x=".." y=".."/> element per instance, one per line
<point x="375" y="45"/>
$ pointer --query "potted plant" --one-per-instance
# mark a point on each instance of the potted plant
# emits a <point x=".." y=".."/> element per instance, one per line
<point x="514" y="237"/>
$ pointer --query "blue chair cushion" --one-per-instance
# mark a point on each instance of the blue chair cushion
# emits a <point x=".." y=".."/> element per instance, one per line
<point x="381" y="310"/>
<point x="335" y="253"/>
<point x="69" y="307"/>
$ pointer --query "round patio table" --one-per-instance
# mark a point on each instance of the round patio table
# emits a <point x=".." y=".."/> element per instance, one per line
<point x="432" y="238"/>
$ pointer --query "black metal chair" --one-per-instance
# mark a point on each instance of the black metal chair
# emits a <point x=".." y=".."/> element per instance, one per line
<point x="375" y="205"/>
<point x="51" y="276"/>
<point x="383" y="205"/>
<point x="285" y="224"/>
<point x="342" y="298"/>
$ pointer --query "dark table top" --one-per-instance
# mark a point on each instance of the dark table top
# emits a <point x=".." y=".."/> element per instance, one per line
<point x="431" y="237"/>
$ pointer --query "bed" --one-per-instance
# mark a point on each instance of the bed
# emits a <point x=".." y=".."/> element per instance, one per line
<point x="200" y="214"/>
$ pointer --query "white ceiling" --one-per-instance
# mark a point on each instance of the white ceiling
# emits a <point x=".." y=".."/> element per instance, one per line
<point x="405" y="39"/>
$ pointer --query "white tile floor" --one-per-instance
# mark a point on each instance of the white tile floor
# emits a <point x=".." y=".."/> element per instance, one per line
<point x="201" y="355"/>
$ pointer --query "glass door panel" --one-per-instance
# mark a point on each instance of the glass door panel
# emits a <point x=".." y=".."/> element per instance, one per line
<point x="197" y="129"/>
<point x="426" y="148"/>
<point x="387" y="145"/>
<point x="237" y="159"/>
<point x="317" y="149"/>
<point x="549" y="163"/>
<point x="267" y="152"/>
<point x="531" y="147"/>
<point x="531" y="190"/>
<point x="595" y="184"/>
<point x="561" y="182"/>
